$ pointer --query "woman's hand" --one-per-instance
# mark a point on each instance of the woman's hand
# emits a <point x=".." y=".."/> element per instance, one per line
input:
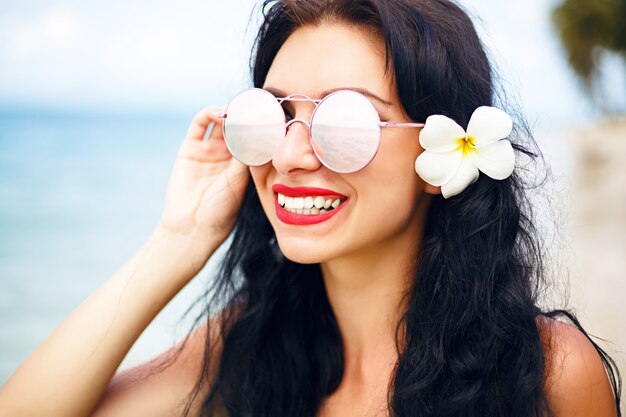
<point x="206" y="186"/>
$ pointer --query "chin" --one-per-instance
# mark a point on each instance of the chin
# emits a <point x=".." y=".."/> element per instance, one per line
<point x="303" y="251"/>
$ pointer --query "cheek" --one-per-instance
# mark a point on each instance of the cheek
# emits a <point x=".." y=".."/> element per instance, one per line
<point x="386" y="210"/>
<point x="261" y="178"/>
<point x="390" y="181"/>
<point x="396" y="156"/>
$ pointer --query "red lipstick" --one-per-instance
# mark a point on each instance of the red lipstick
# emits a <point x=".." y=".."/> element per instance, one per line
<point x="304" y="219"/>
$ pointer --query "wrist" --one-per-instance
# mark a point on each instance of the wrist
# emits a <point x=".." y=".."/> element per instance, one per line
<point x="188" y="251"/>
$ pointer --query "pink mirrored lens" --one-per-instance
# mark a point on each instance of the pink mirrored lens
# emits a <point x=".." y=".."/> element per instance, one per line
<point x="254" y="126"/>
<point x="345" y="132"/>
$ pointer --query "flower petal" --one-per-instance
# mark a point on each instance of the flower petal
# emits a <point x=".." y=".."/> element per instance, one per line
<point x="497" y="160"/>
<point x="438" y="168"/>
<point x="465" y="175"/>
<point x="488" y="125"/>
<point x="440" y="134"/>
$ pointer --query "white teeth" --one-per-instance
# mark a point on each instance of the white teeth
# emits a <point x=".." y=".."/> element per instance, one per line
<point x="308" y="205"/>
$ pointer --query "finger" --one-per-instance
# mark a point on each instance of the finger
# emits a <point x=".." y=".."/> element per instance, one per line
<point x="216" y="129"/>
<point x="215" y="143"/>
<point x="201" y="121"/>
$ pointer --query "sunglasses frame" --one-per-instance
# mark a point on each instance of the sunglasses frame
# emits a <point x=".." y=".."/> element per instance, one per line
<point x="304" y="98"/>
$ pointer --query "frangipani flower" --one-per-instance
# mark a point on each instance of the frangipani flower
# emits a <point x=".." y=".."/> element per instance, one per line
<point x="452" y="158"/>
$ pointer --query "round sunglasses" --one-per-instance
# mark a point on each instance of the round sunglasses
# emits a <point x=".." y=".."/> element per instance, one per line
<point x="344" y="130"/>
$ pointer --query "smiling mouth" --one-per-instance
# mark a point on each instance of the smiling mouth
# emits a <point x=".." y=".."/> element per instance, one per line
<point x="306" y="205"/>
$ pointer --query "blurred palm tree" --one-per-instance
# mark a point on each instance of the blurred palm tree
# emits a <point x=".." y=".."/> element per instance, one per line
<point x="587" y="29"/>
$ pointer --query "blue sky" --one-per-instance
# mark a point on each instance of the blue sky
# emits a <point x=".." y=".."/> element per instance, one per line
<point x="177" y="57"/>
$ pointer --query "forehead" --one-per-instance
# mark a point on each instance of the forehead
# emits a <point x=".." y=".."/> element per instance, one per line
<point x="318" y="58"/>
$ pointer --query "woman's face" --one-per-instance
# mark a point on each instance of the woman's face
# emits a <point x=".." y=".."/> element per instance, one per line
<point x="378" y="203"/>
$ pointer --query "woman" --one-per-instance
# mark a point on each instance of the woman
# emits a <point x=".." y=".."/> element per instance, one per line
<point x="395" y="294"/>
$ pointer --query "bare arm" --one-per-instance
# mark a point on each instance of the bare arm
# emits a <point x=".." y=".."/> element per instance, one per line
<point x="69" y="373"/>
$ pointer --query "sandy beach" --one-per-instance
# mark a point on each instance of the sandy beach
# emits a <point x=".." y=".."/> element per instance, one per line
<point x="596" y="231"/>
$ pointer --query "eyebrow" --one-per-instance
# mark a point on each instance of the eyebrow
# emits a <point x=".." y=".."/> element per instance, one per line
<point x="279" y="93"/>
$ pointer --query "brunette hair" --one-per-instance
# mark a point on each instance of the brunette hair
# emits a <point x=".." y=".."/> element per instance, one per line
<point x="472" y="342"/>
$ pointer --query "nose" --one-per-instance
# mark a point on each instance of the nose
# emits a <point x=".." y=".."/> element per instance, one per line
<point x="295" y="153"/>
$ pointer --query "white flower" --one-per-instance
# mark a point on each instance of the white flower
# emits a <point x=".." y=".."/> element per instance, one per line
<point x="452" y="157"/>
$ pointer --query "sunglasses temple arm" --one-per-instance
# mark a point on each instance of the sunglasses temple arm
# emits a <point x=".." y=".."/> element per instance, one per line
<point x="381" y="124"/>
<point x="392" y="124"/>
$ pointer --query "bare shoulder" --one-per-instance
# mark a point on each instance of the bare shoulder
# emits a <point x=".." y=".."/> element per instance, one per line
<point x="161" y="386"/>
<point x="576" y="380"/>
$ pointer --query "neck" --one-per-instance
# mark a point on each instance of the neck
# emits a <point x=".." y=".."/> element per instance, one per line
<point x="368" y="293"/>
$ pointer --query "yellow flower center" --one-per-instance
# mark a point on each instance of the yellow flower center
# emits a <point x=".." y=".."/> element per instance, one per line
<point x="466" y="145"/>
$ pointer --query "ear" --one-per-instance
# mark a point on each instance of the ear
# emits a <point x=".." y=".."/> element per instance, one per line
<point x="431" y="189"/>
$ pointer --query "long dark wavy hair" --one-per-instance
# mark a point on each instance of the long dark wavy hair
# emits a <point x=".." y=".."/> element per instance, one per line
<point x="471" y="343"/>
